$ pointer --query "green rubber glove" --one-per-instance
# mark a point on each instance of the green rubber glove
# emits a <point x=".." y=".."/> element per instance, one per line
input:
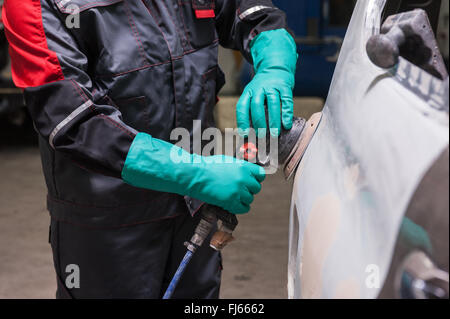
<point x="218" y="180"/>
<point x="275" y="59"/>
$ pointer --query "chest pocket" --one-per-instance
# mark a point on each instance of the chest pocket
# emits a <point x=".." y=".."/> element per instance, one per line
<point x="110" y="33"/>
<point x="199" y="23"/>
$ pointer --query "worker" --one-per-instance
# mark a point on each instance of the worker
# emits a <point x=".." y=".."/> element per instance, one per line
<point x="105" y="83"/>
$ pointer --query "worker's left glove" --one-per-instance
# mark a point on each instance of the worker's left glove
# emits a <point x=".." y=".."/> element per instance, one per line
<point x="275" y="59"/>
<point x="222" y="181"/>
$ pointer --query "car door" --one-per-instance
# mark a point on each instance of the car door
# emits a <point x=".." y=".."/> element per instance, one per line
<point x="381" y="132"/>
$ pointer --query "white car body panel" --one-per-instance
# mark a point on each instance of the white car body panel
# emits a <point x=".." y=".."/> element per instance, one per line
<point x="380" y="133"/>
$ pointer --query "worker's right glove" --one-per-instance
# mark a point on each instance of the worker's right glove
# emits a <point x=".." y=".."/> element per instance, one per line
<point x="218" y="180"/>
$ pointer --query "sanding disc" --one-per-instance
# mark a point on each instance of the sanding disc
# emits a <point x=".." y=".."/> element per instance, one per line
<point x="302" y="144"/>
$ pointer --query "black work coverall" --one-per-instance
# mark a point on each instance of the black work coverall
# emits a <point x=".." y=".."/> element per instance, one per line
<point x="125" y="66"/>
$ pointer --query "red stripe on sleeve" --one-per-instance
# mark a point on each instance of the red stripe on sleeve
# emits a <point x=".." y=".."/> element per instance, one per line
<point x="32" y="63"/>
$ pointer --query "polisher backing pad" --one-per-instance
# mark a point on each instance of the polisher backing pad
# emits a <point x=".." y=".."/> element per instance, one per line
<point x="301" y="146"/>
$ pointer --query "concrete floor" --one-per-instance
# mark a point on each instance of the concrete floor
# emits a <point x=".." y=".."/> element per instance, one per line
<point x="25" y="256"/>
<point x="255" y="265"/>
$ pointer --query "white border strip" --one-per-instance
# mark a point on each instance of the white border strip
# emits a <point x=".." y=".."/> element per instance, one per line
<point x="68" y="119"/>
<point x="252" y="10"/>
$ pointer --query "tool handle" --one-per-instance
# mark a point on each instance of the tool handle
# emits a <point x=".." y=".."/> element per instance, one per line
<point x="224" y="235"/>
<point x="227" y="218"/>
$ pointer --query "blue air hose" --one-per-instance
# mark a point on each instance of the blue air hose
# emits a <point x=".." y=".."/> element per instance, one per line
<point x="204" y="228"/>
<point x="176" y="278"/>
